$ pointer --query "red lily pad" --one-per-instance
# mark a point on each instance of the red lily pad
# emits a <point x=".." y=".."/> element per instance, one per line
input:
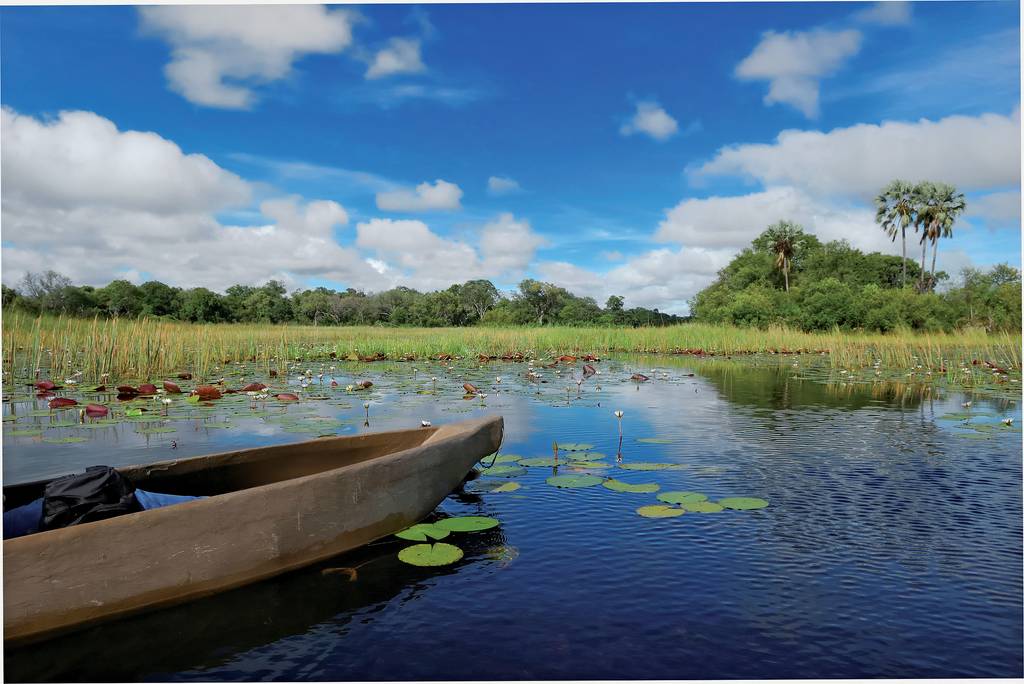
<point x="171" y="387"/>
<point x="208" y="392"/>
<point x="127" y="389"/>
<point x="147" y="388"/>
<point x="96" y="410"/>
<point x="254" y="387"/>
<point x="62" y="402"/>
<point x="45" y="385"/>
<point x="287" y="396"/>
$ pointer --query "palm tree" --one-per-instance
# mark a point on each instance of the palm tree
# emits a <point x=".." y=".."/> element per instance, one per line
<point x="895" y="212"/>
<point x="784" y="239"/>
<point x="938" y="206"/>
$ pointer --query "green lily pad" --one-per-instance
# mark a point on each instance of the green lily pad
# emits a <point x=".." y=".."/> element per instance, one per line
<point x="660" y="511"/>
<point x="423" y="532"/>
<point x="27" y="432"/>
<point x="743" y="503"/>
<point x="504" y="458"/>
<point x="654" y="440"/>
<point x="509" y="487"/>
<point x="703" y="507"/>
<point x="573" y="446"/>
<point x="619" y="486"/>
<point x="574" y="481"/>
<point x="682" y="497"/>
<point x="430" y="555"/>
<point x="467" y="523"/>
<point x="133" y="412"/>
<point x="974" y="435"/>
<point x="539" y="462"/>
<point x="641" y="465"/>
<point x="504" y="471"/>
<point x="63" y="440"/>
<point x="586" y="456"/>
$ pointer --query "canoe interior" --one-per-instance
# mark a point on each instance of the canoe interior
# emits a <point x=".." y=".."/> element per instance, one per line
<point x="236" y="470"/>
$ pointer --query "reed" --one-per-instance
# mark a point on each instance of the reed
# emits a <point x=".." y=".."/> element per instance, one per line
<point x="148" y="348"/>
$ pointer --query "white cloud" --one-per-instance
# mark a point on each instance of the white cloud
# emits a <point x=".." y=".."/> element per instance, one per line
<point x="402" y="56"/>
<point x="508" y="245"/>
<point x="613" y="255"/>
<point x="652" y="120"/>
<point x="663" y="278"/>
<point x="415" y="256"/>
<point x="996" y="209"/>
<point x="794" y="63"/>
<point x="733" y="222"/>
<point x="500" y="185"/>
<point x="220" y="52"/>
<point x="441" y="196"/>
<point x="971" y="152"/>
<point x="80" y="158"/>
<point x="886" y="13"/>
<point x="95" y="203"/>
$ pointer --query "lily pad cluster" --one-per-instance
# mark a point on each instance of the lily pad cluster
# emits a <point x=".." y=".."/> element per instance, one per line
<point x="439" y="553"/>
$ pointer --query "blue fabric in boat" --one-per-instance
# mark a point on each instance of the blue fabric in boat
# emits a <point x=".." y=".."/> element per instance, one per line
<point x="27" y="519"/>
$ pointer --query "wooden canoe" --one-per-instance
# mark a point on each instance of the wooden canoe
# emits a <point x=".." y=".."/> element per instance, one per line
<point x="269" y="510"/>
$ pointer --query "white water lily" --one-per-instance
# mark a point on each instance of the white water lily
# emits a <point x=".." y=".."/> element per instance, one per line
<point x="425" y="423"/>
<point x="619" y="414"/>
<point x="498" y="379"/>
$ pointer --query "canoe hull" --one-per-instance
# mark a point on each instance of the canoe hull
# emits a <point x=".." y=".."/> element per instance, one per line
<point x="64" y="579"/>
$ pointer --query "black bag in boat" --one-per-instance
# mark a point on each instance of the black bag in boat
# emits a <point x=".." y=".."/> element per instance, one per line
<point x="99" y="493"/>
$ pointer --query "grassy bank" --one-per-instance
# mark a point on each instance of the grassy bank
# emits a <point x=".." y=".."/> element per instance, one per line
<point x="148" y="348"/>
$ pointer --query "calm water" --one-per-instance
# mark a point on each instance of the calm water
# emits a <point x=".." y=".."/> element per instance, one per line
<point x="891" y="546"/>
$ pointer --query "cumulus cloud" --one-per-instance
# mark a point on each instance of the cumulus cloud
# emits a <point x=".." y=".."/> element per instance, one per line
<point x="441" y="196"/>
<point x="499" y="185"/>
<point x="733" y="222"/>
<point x="415" y="256"/>
<point x="794" y="63"/>
<point x="886" y="13"/>
<point x="95" y="203"/>
<point x="220" y="52"/>
<point x="662" y="278"/>
<point x="401" y="56"/>
<point x="971" y="152"/>
<point x="650" y="119"/>
<point x="996" y="209"/>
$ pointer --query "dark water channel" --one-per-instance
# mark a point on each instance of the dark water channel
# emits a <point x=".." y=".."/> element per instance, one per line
<point x="891" y="546"/>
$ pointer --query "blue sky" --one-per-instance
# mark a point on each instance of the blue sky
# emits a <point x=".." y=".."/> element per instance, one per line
<point x="614" y="149"/>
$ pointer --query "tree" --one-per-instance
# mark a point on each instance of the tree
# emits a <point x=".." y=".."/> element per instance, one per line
<point x="895" y="211"/>
<point x="614" y="303"/>
<point x="938" y="206"/>
<point x="45" y="290"/>
<point x="200" y="305"/>
<point x="159" y="299"/>
<point x="479" y="296"/>
<point x="784" y="239"/>
<point x="120" y="298"/>
<point x="541" y="298"/>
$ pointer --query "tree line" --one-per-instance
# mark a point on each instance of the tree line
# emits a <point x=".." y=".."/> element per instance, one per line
<point x="476" y="302"/>
<point x="788" y="276"/>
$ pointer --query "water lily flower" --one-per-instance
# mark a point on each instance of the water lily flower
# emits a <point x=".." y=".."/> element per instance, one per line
<point x="348" y="388"/>
<point x="425" y="423"/>
<point x="966" y="404"/>
<point x="1007" y="421"/>
<point x="619" y="414"/>
<point x="498" y="379"/>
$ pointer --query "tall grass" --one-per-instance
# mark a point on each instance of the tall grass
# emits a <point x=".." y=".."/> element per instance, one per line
<point x="145" y="348"/>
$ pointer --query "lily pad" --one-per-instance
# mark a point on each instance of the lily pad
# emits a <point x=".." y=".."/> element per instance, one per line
<point x="509" y="487"/>
<point x="654" y="440"/>
<point x="27" y="432"/>
<point x="467" y="523"/>
<point x="641" y="465"/>
<point x="682" y="497"/>
<point x="574" y="481"/>
<point x="743" y="503"/>
<point x="540" y="462"/>
<point x="660" y="511"/>
<point x="430" y="555"/>
<point x="423" y="532"/>
<point x="63" y="440"/>
<point x="505" y="458"/>
<point x="703" y="507"/>
<point x="573" y="446"/>
<point x="504" y="471"/>
<point x="586" y="456"/>
<point x="619" y="486"/>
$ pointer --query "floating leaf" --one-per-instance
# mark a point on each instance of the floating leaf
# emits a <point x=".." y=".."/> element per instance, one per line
<point x="504" y="471"/>
<point x="703" y="507"/>
<point x="208" y="392"/>
<point x="539" y="462"/>
<point x="662" y="511"/>
<point x="430" y="555"/>
<point x="171" y="387"/>
<point x="63" y="440"/>
<point x="423" y="532"/>
<point x="743" y="503"/>
<point x="574" y="481"/>
<point x="254" y="387"/>
<point x="654" y="440"/>
<point x="506" y="458"/>
<point x="682" y="497"/>
<point x="586" y="456"/>
<point x="509" y="487"/>
<point x="573" y="446"/>
<point x="133" y="412"/>
<point x="62" y="402"/>
<point x="27" y="432"/>
<point x="96" y="410"/>
<point x="287" y="396"/>
<point x="467" y="523"/>
<point x="642" y="465"/>
<point x="619" y="486"/>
